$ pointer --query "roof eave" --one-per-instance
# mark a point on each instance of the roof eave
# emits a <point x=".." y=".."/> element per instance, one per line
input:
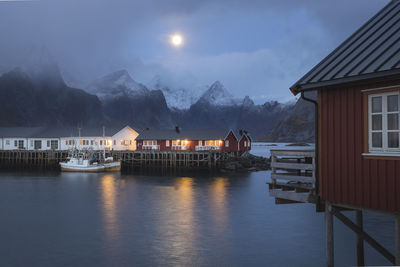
<point x="394" y="73"/>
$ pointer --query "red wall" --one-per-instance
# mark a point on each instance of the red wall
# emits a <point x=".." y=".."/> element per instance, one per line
<point x="233" y="144"/>
<point x="346" y="176"/>
<point x="241" y="143"/>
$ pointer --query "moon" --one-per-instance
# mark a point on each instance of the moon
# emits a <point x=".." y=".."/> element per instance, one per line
<point x="176" y="40"/>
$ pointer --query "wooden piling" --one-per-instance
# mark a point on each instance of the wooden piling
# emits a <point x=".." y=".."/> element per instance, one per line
<point x="329" y="235"/>
<point x="360" y="240"/>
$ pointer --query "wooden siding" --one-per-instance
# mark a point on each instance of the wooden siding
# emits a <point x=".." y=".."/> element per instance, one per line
<point x="233" y="143"/>
<point x="345" y="175"/>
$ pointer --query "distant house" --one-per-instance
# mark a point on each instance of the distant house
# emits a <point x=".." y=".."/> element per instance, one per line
<point x="26" y="138"/>
<point x="53" y="138"/>
<point x="192" y="140"/>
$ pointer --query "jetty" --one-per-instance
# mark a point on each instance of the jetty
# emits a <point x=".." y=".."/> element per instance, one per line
<point x="130" y="160"/>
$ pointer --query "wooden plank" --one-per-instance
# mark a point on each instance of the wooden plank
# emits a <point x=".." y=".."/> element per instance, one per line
<point x="292" y="166"/>
<point x="304" y="179"/>
<point x="299" y="153"/>
<point x="290" y="195"/>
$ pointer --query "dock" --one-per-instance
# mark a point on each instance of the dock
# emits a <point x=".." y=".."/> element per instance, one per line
<point x="130" y="160"/>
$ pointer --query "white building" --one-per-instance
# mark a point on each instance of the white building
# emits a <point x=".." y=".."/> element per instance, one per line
<point x="41" y="138"/>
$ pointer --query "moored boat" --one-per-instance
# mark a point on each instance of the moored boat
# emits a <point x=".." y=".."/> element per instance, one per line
<point x="87" y="161"/>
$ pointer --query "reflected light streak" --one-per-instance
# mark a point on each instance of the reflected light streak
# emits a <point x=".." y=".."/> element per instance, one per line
<point x="219" y="202"/>
<point x="108" y="193"/>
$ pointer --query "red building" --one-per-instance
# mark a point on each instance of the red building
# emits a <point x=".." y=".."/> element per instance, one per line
<point x="193" y="140"/>
<point x="358" y="138"/>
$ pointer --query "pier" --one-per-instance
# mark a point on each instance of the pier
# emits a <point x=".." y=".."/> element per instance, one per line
<point x="130" y="160"/>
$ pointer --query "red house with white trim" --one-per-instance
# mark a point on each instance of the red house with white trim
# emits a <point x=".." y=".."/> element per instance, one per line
<point x="193" y="140"/>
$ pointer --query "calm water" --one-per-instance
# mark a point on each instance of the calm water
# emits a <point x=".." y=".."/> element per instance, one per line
<point x="54" y="219"/>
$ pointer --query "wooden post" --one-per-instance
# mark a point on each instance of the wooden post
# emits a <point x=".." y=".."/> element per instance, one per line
<point x="360" y="240"/>
<point x="329" y="235"/>
<point x="397" y="238"/>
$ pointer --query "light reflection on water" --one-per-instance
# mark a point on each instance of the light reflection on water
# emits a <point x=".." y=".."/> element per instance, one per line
<point x="125" y="220"/>
<point x="109" y="207"/>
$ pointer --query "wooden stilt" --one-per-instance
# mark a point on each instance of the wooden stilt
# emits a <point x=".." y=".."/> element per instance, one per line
<point x="397" y="238"/>
<point x="360" y="241"/>
<point x="329" y="235"/>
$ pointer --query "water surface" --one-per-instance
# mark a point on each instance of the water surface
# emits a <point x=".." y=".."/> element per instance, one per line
<point x="70" y="219"/>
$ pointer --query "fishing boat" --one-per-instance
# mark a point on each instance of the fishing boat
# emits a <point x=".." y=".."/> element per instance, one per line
<point x="89" y="161"/>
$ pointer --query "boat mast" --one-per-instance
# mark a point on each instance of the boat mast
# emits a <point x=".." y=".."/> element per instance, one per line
<point x="104" y="144"/>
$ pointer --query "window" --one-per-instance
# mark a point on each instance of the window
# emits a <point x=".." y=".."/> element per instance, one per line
<point x="31" y="143"/>
<point x="48" y="143"/>
<point x="167" y="143"/>
<point x="20" y="144"/>
<point x="38" y="144"/>
<point x="383" y="116"/>
<point x="54" y="144"/>
<point x="8" y="142"/>
<point x="245" y="143"/>
<point x="101" y="142"/>
<point x="227" y="143"/>
<point x="16" y="143"/>
<point x="115" y="142"/>
<point x="91" y="142"/>
<point x="200" y="142"/>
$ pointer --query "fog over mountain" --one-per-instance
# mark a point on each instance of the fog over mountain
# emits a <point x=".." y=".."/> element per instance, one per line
<point x="256" y="48"/>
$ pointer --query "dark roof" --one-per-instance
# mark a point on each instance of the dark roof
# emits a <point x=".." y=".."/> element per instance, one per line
<point x="373" y="51"/>
<point x="183" y="134"/>
<point x="52" y="132"/>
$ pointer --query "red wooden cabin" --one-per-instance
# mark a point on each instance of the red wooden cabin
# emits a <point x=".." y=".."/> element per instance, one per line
<point x="358" y="101"/>
<point x="193" y="140"/>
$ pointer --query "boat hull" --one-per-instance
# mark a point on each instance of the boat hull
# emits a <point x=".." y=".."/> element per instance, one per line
<point x="106" y="167"/>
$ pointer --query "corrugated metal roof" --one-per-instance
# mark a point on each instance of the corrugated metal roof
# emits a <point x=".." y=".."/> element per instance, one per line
<point x="373" y="51"/>
<point x="182" y="134"/>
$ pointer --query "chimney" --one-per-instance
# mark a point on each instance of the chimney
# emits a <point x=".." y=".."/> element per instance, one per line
<point x="177" y="129"/>
<point x="241" y="132"/>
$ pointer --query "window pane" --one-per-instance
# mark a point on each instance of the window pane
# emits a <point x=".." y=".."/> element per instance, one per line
<point x="393" y="140"/>
<point x="392" y="103"/>
<point x="393" y="121"/>
<point x="376" y="139"/>
<point x="377" y="104"/>
<point x="376" y="122"/>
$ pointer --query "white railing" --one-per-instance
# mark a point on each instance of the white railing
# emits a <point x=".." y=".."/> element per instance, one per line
<point x="151" y="147"/>
<point x="179" y="147"/>
<point x="202" y="148"/>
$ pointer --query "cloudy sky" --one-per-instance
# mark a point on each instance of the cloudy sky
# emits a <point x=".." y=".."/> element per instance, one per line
<point x="257" y="48"/>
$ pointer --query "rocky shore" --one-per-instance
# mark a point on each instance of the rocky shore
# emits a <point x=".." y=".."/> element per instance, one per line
<point x="246" y="163"/>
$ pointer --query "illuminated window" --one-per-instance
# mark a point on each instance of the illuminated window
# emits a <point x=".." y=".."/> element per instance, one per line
<point x="227" y="143"/>
<point x="200" y="142"/>
<point x="167" y="143"/>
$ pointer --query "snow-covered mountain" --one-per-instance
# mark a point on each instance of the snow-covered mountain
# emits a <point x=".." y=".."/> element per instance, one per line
<point x="218" y="95"/>
<point x="177" y="98"/>
<point x="117" y="84"/>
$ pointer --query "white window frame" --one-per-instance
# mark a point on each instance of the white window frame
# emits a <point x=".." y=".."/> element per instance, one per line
<point x="226" y="143"/>
<point x="167" y="143"/>
<point x="384" y="149"/>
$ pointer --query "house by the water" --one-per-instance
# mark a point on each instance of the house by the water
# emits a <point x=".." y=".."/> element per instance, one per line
<point x="358" y="129"/>
<point x="48" y="138"/>
<point x="53" y="138"/>
<point x="194" y="140"/>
